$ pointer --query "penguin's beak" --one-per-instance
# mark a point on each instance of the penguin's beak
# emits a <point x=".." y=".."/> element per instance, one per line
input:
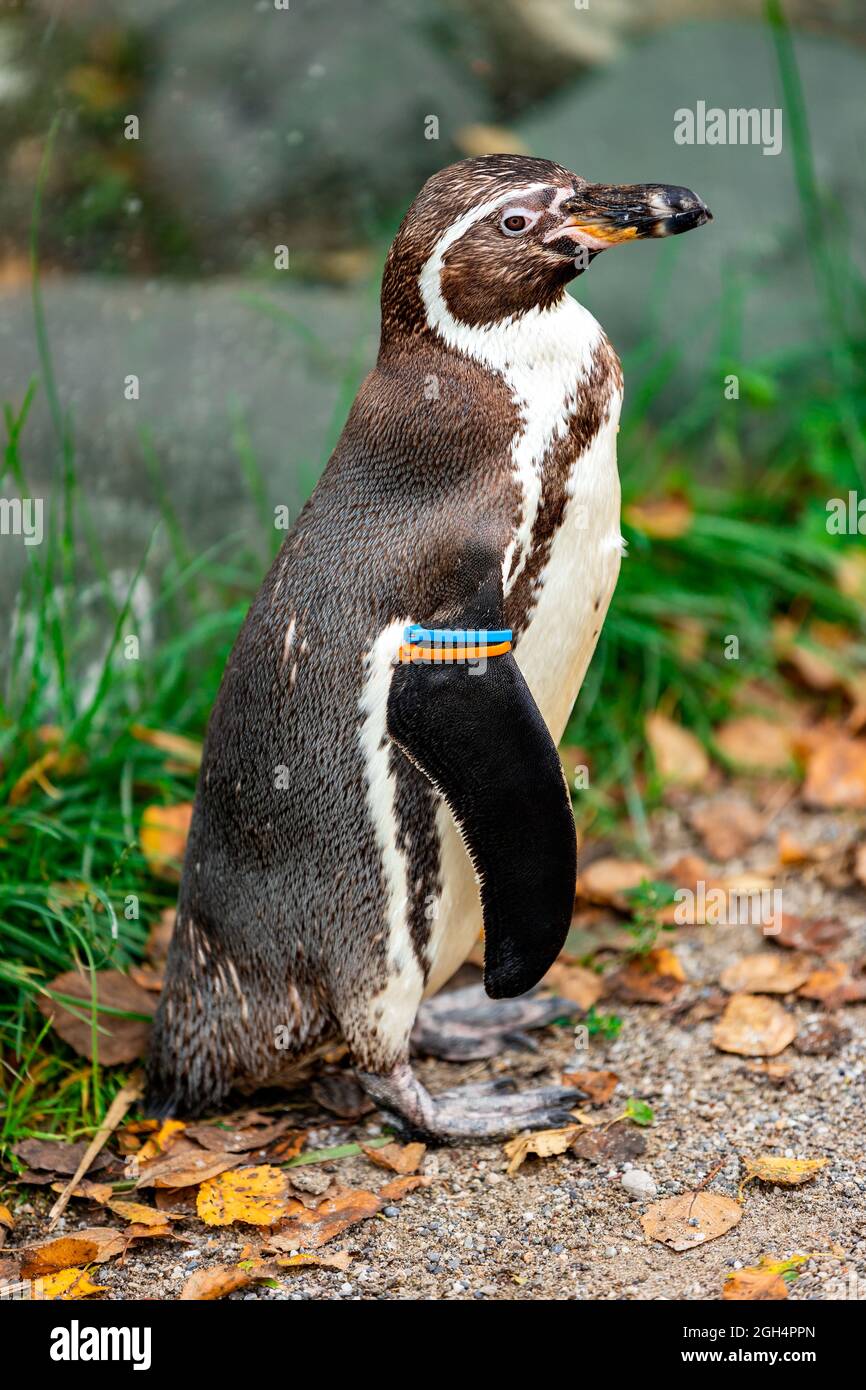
<point x="602" y="215"/>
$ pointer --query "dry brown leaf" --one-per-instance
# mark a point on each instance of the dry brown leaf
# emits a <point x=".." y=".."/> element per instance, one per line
<point x="833" y="985"/>
<point x="397" y="1188"/>
<point x="785" y="1172"/>
<point x="836" y="774"/>
<point x="215" y="1282"/>
<point x="241" y="1140"/>
<point x="662" y="518"/>
<point x="93" y="1245"/>
<point x="754" y="744"/>
<point x="163" y="835"/>
<point x="728" y="825"/>
<point x="67" y="1284"/>
<point x="118" y="1039"/>
<point x="576" y="983"/>
<point x="612" y="1146"/>
<point x="397" y="1158"/>
<point x="753" y="1026"/>
<point x="678" y="755"/>
<point x="185" y="1165"/>
<point x="608" y="880"/>
<point x="258" y="1196"/>
<point x="754" y="1283"/>
<point x="597" y="1086"/>
<point x="544" y="1143"/>
<point x="798" y="934"/>
<point x="768" y="972"/>
<point x="683" y="1222"/>
<point x="330" y="1218"/>
<point x="655" y="978"/>
<point x="56" y="1156"/>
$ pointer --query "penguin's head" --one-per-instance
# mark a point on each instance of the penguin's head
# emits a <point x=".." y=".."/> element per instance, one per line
<point x="494" y="237"/>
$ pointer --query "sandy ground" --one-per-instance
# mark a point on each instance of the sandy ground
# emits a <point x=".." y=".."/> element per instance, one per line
<point x="565" y="1228"/>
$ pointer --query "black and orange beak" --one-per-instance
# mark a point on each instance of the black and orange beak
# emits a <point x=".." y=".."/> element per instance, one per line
<point x="603" y="215"/>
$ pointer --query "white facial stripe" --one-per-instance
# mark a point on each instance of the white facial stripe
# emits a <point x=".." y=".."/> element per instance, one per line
<point x="543" y="356"/>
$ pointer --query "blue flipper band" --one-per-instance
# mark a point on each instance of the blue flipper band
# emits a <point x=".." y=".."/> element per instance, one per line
<point x="454" y="637"/>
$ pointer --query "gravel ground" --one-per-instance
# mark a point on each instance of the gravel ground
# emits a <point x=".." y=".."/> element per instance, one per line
<point x="566" y="1228"/>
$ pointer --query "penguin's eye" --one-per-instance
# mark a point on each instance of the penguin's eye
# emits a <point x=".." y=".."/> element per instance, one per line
<point x="515" y="221"/>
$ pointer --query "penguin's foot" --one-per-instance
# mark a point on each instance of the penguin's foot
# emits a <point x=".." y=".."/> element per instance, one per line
<point x="484" y="1110"/>
<point x="465" y="1025"/>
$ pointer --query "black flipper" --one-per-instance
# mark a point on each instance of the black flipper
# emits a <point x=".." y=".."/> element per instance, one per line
<point x="480" y="739"/>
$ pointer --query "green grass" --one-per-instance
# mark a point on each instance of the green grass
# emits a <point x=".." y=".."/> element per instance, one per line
<point x="757" y="546"/>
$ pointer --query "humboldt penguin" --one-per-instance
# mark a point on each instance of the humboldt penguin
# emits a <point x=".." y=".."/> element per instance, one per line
<point x="380" y="777"/>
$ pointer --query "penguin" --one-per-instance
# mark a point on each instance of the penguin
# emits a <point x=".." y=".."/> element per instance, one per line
<point x="380" y="778"/>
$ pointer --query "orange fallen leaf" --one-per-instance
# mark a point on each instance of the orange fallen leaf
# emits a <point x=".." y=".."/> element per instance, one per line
<point x="398" y="1158"/>
<point x="340" y="1259"/>
<point x="575" y="983"/>
<point x="692" y="1219"/>
<point x="678" y="755"/>
<point x="598" y="1086"/>
<point x="654" y="978"/>
<point x="397" y="1188"/>
<point x="833" y="984"/>
<point x="333" y="1215"/>
<point x="609" y="880"/>
<point x="754" y="1026"/>
<point x="754" y="744"/>
<point x="93" y="1245"/>
<point x="163" y="835"/>
<point x="164" y="1137"/>
<point x="799" y="934"/>
<point x="137" y="1212"/>
<point x="215" y="1282"/>
<point x="836" y="774"/>
<point x="754" y="1283"/>
<point x="767" y="972"/>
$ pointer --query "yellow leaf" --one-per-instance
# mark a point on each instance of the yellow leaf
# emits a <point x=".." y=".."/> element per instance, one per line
<point x="159" y="1142"/>
<point x="163" y="835"/>
<point x="139" y="1213"/>
<point x="787" y="1172"/>
<point x="544" y="1143"/>
<point x="69" y="1284"/>
<point x="754" y="1283"/>
<point x="258" y="1196"/>
<point x="215" y="1282"/>
<point x="6" y="1218"/>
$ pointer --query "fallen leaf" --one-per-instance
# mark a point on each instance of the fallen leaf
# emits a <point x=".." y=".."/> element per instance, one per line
<point x="215" y="1282"/>
<point x="754" y="744"/>
<point x="836" y="774"/>
<point x="68" y="1284"/>
<point x="768" y="972"/>
<point x="227" y="1140"/>
<point x="678" y="755"/>
<point x="728" y="825"/>
<point x="575" y="983"/>
<point x="163" y="835"/>
<point x="185" y="1165"/>
<point x="168" y="1132"/>
<point x="330" y="1218"/>
<point x="820" y="935"/>
<point x="683" y="1222"/>
<point x="398" y="1158"/>
<point x="93" y="1245"/>
<point x="860" y="864"/>
<point x="56" y="1156"/>
<point x="597" y="1086"/>
<point x="136" y="1212"/>
<point x="612" y="1146"/>
<point x="340" y="1259"/>
<point x="754" y="1026"/>
<point x="609" y="880"/>
<point x="822" y="1038"/>
<point x="754" y="1283"/>
<point x="785" y="1172"/>
<point x="397" y="1188"/>
<point x="544" y="1143"/>
<point x="655" y="978"/>
<point x="118" y="1039"/>
<point x="778" y="1072"/>
<point x="257" y="1196"/>
<point x="661" y="518"/>
<point x="833" y="985"/>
